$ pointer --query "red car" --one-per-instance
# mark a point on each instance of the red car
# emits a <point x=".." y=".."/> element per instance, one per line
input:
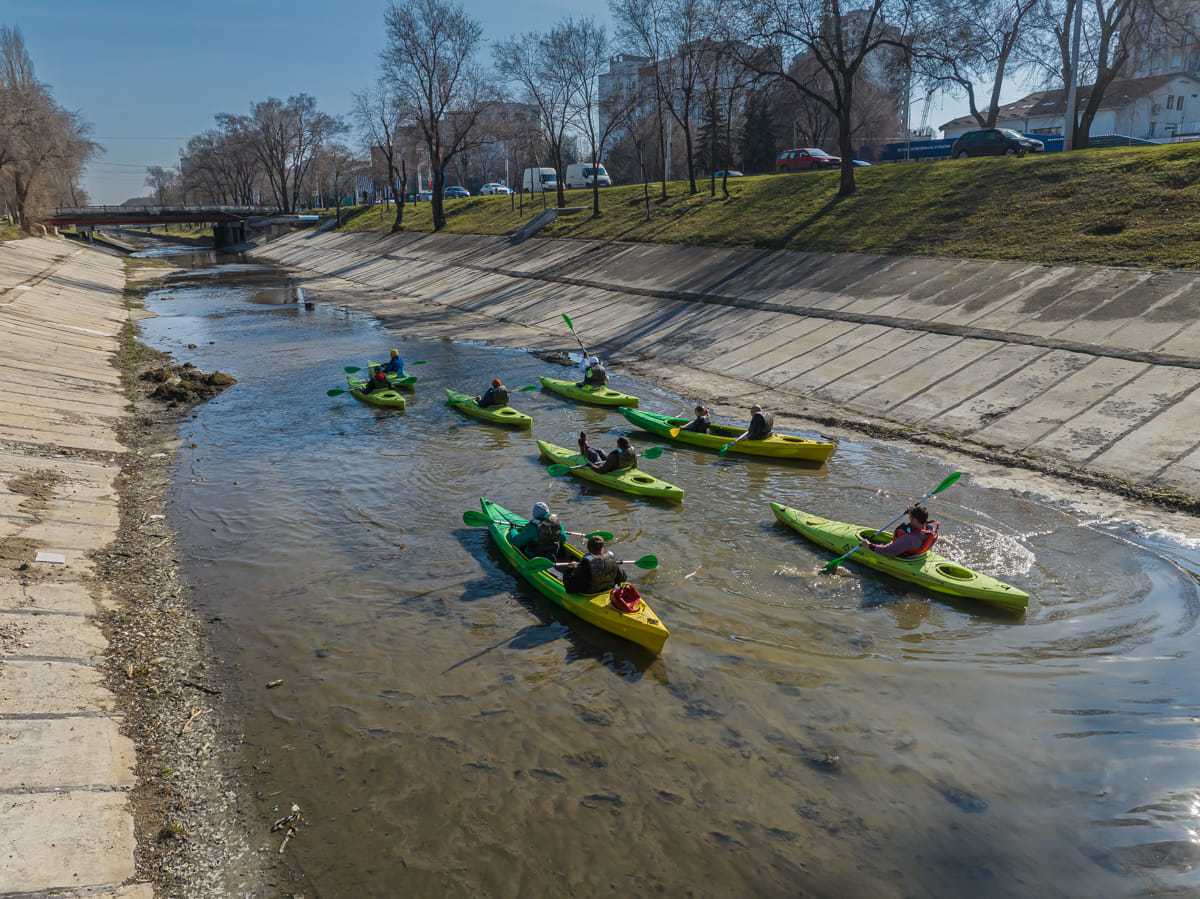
<point x="802" y="160"/>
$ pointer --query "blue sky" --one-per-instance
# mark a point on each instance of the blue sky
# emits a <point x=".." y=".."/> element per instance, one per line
<point x="149" y="75"/>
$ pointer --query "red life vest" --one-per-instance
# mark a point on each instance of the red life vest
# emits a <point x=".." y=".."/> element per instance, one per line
<point x="930" y="532"/>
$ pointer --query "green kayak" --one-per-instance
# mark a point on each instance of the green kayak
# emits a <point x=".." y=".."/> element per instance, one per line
<point x="929" y="570"/>
<point x="501" y="415"/>
<point x="779" y="446"/>
<point x="406" y="381"/>
<point x="597" y="396"/>
<point x="389" y="398"/>
<point x="642" y="627"/>
<point x="632" y="480"/>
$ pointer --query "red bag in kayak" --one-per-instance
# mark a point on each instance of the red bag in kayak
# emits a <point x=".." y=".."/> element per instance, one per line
<point x="625" y="598"/>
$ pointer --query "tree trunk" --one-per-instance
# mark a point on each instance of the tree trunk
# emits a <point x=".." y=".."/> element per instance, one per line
<point x="399" y="196"/>
<point x="439" y="181"/>
<point x="595" y="187"/>
<point x="845" y="148"/>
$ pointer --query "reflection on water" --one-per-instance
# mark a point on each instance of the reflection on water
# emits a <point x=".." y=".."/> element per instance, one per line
<point x="447" y="732"/>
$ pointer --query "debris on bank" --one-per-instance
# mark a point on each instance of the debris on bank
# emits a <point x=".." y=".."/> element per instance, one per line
<point x="185" y="384"/>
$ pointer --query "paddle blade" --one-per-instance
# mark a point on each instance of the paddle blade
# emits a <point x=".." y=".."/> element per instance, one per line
<point x="723" y="450"/>
<point x="674" y="432"/>
<point x="653" y="453"/>
<point x="334" y="392"/>
<point x="422" y="362"/>
<point x="539" y="564"/>
<point x="351" y="369"/>
<point x="530" y="387"/>
<point x="603" y="535"/>
<point x="567" y="319"/>
<point x="649" y="563"/>
<point x="557" y="471"/>
<point x="475" y="519"/>
<point x="947" y="483"/>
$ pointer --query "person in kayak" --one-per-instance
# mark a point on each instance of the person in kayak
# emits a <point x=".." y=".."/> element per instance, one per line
<point x="913" y="538"/>
<point x="620" y="459"/>
<point x="496" y="395"/>
<point x="597" y="572"/>
<point x="394" y="366"/>
<point x="376" y="383"/>
<point x="594" y="374"/>
<point x="541" y="536"/>
<point x="762" y="424"/>
<point x="588" y="451"/>
<point x="701" y="423"/>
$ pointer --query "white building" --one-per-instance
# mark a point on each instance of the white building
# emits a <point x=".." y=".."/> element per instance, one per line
<point x="1159" y="108"/>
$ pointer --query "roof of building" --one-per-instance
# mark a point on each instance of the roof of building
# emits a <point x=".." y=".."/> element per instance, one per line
<point x="1120" y="94"/>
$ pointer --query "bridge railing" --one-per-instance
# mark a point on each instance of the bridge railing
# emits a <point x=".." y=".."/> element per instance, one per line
<point x="167" y="210"/>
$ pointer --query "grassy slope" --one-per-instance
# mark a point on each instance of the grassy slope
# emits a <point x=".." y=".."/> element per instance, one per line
<point x="1136" y="207"/>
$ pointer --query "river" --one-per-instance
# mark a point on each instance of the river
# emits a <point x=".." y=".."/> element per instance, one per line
<point x="447" y="732"/>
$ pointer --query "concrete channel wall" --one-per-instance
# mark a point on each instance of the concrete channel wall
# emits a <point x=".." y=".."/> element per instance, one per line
<point x="1094" y="368"/>
<point x="65" y="769"/>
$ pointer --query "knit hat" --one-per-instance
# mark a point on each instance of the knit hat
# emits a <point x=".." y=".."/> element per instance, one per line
<point x="540" y="510"/>
<point x="495" y="382"/>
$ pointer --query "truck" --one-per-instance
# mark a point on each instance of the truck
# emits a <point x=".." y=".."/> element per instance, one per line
<point x="581" y="176"/>
<point x="534" y="181"/>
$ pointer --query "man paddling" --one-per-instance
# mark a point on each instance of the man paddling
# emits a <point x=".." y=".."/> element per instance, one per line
<point x="541" y="536"/>
<point x="496" y="395"/>
<point x="620" y="459"/>
<point x="394" y="366"/>
<point x="597" y="572"/>
<point x="913" y="538"/>
<point x="593" y="372"/>
<point x="762" y="424"/>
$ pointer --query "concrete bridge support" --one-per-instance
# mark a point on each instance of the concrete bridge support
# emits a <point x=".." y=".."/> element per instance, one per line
<point x="228" y="234"/>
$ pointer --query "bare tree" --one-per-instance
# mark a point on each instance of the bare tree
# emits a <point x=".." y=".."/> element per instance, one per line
<point x="677" y="28"/>
<point x="164" y="182"/>
<point x="538" y="65"/>
<point x="286" y="136"/>
<point x="384" y="120"/>
<point x="430" y="62"/>
<point x="971" y="48"/>
<point x="839" y="37"/>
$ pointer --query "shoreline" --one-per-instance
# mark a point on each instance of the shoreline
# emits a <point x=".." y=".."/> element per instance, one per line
<point x="196" y="821"/>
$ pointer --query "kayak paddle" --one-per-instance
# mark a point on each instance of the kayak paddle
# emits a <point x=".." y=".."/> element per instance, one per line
<point x="479" y="520"/>
<point x="557" y="471"/>
<point x="453" y="403"/>
<point x="567" y="319"/>
<point x="950" y="479"/>
<point x="647" y="563"/>
<point x="723" y="450"/>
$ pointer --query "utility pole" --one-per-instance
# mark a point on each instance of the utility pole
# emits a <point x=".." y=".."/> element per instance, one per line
<point x="1069" y="118"/>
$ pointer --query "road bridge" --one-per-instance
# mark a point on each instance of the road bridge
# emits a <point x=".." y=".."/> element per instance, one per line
<point x="230" y="223"/>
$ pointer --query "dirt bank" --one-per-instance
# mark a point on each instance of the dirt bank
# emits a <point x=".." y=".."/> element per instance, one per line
<point x="199" y="830"/>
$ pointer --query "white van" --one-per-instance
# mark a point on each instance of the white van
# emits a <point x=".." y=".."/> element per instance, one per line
<point x="537" y="180"/>
<point x="581" y="176"/>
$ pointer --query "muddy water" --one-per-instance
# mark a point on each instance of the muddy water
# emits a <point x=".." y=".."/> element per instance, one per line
<point x="449" y="733"/>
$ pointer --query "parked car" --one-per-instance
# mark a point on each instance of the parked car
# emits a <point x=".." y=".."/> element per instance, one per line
<point x="730" y="173"/>
<point x="804" y="159"/>
<point x="994" y="142"/>
<point x="454" y="192"/>
<point x="493" y="187"/>
<point x="579" y="175"/>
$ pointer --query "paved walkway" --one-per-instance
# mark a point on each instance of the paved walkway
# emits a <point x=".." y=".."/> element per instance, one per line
<point x="1094" y="368"/>
<point x="65" y="823"/>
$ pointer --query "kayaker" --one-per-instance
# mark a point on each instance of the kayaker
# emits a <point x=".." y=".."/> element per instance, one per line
<point x="597" y="572"/>
<point x="378" y="381"/>
<point x="620" y="459"/>
<point x="762" y="424"/>
<point x="541" y="536"/>
<point x="496" y="395"/>
<point x="394" y="366"/>
<point x="588" y="451"/>
<point x="701" y="423"/>
<point x="594" y="374"/>
<point x="910" y="539"/>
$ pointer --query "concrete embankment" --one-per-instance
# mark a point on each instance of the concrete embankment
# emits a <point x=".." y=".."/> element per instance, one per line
<point x="1091" y="372"/>
<point x="65" y="769"/>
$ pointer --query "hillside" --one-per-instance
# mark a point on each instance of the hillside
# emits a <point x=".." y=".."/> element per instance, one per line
<point x="1132" y="207"/>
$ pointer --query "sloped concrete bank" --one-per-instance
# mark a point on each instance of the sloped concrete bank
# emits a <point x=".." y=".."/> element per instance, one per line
<point x="1086" y="373"/>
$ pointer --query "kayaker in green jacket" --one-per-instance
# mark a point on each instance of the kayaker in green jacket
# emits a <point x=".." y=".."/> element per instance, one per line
<point x="620" y="459"/>
<point x="541" y="536"/>
<point x="496" y="395"/>
<point x="597" y="572"/>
